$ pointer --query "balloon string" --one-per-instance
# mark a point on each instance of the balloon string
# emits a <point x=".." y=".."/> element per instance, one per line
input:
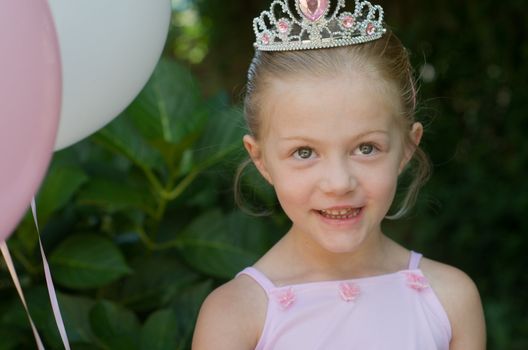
<point x="14" y="276"/>
<point x="51" y="288"/>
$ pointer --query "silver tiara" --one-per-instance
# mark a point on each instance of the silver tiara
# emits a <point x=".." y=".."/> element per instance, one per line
<point x="314" y="27"/>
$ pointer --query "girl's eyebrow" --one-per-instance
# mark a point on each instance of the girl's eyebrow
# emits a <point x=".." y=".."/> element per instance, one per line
<point x="310" y="139"/>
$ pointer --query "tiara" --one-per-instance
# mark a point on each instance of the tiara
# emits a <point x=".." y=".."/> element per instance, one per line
<point x="316" y="25"/>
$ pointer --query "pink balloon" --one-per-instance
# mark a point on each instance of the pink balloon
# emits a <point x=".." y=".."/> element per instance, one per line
<point x="30" y="99"/>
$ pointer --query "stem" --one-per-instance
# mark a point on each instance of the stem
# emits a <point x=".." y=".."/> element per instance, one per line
<point x="153" y="246"/>
<point x="151" y="178"/>
<point x="150" y="244"/>
<point x="182" y="186"/>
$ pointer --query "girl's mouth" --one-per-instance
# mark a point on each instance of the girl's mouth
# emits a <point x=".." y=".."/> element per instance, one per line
<point x="340" y="214"/>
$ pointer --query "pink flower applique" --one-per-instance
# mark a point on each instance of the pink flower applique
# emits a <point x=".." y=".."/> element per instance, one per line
<point x="416" y="281"/>
<point x="349" y="291"/>
<point x="286" y="298"/>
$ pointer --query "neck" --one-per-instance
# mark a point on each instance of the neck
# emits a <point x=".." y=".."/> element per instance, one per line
<point x="310" y="259"/>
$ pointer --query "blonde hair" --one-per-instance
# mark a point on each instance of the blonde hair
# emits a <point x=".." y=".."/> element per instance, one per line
<point x="387" y="58"/>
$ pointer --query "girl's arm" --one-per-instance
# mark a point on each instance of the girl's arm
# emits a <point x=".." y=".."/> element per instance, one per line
<point x="460" y="298"/>
<point x="231" y="317"/>
<point x="467" y="316"/>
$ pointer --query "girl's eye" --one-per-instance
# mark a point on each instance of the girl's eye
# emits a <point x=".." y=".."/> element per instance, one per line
<point x="366" y="149"/>
<point x="304" y="153"/>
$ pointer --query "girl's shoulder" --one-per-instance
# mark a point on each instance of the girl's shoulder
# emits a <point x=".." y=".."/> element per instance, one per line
<point x="452" y="285"/>
<point x="442" y="275"/>
<point x="461" y="300"/>
<point x="231" y="316"/>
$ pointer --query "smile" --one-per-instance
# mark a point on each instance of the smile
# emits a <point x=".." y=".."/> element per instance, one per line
<point x="340" y="214"/>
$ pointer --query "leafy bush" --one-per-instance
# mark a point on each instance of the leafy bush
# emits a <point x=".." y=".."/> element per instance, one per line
<point x="133" y="226"/>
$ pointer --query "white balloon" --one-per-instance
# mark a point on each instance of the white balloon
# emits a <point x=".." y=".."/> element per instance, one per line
<point x="109" y="49"/>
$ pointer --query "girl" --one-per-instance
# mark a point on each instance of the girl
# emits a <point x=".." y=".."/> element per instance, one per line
<point x="330" y="108"/>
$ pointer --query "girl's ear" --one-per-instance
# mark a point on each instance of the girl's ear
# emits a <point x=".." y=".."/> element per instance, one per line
<point x="415" y="136"/>
<point x="255" y="152"/>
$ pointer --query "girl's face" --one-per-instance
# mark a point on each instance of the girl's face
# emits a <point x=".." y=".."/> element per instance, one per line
<point x="333" y="151"/>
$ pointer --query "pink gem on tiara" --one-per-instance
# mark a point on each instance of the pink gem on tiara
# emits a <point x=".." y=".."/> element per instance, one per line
<point x="265" y="39"/>
<point x="348" y="21"/>
<point x="283" y="26"/>
<point x="371" y="29"/>
<point x="313" y="9"/>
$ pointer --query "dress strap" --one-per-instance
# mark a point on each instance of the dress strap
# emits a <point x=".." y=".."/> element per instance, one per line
<point x="414" y="260"/>
<point x="259" y="277"/>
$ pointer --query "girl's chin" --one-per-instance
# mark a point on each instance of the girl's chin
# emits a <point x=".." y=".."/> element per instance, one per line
<point x="339" y="243"/>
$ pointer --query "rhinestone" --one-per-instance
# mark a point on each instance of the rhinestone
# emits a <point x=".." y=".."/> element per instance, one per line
<point x="283" y="26"/>
<point x="265" y="39"/>
<point x="313" y="10"/>
<point x="370" y="29"/>
<point x="348" y="21"/>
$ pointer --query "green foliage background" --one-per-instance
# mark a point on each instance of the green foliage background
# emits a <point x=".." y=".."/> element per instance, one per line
<point x="139" y="223"/>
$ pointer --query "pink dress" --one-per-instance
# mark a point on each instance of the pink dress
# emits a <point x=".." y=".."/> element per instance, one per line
<point x="390" y="312"/>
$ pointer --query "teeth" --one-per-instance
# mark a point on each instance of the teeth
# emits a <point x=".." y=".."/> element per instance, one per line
<point x="340" y="213"/>
<point x="336" y="212"/>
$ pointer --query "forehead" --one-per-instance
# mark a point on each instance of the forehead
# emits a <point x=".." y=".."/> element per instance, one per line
<point x="346" y="105"/>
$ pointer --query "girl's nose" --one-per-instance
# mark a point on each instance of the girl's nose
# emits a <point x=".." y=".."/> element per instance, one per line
<point x="337" y="178"/>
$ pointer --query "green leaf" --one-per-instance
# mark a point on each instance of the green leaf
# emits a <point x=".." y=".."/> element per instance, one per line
<point x="11" y="338"/>
<point x="160" y="331"/>
<point x="186" y="162"/>
<point x="186" y="307"/>
<point x="75" y="312"/>
<point x="208" y="246"/>
<point x="59" y="186"/>
<point x="222" y="135"/>
<point x="15" y="317"/>
<point x="256" y="234"/>
<point x="156" y="281"/>
<point x="113" y="196"/>
<point x="115" y="326"/>
<point x="256" y="191"/>
<point x="169" y="107"/>
<point x="87" y="261"/>
<point x="122" y="137"/>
